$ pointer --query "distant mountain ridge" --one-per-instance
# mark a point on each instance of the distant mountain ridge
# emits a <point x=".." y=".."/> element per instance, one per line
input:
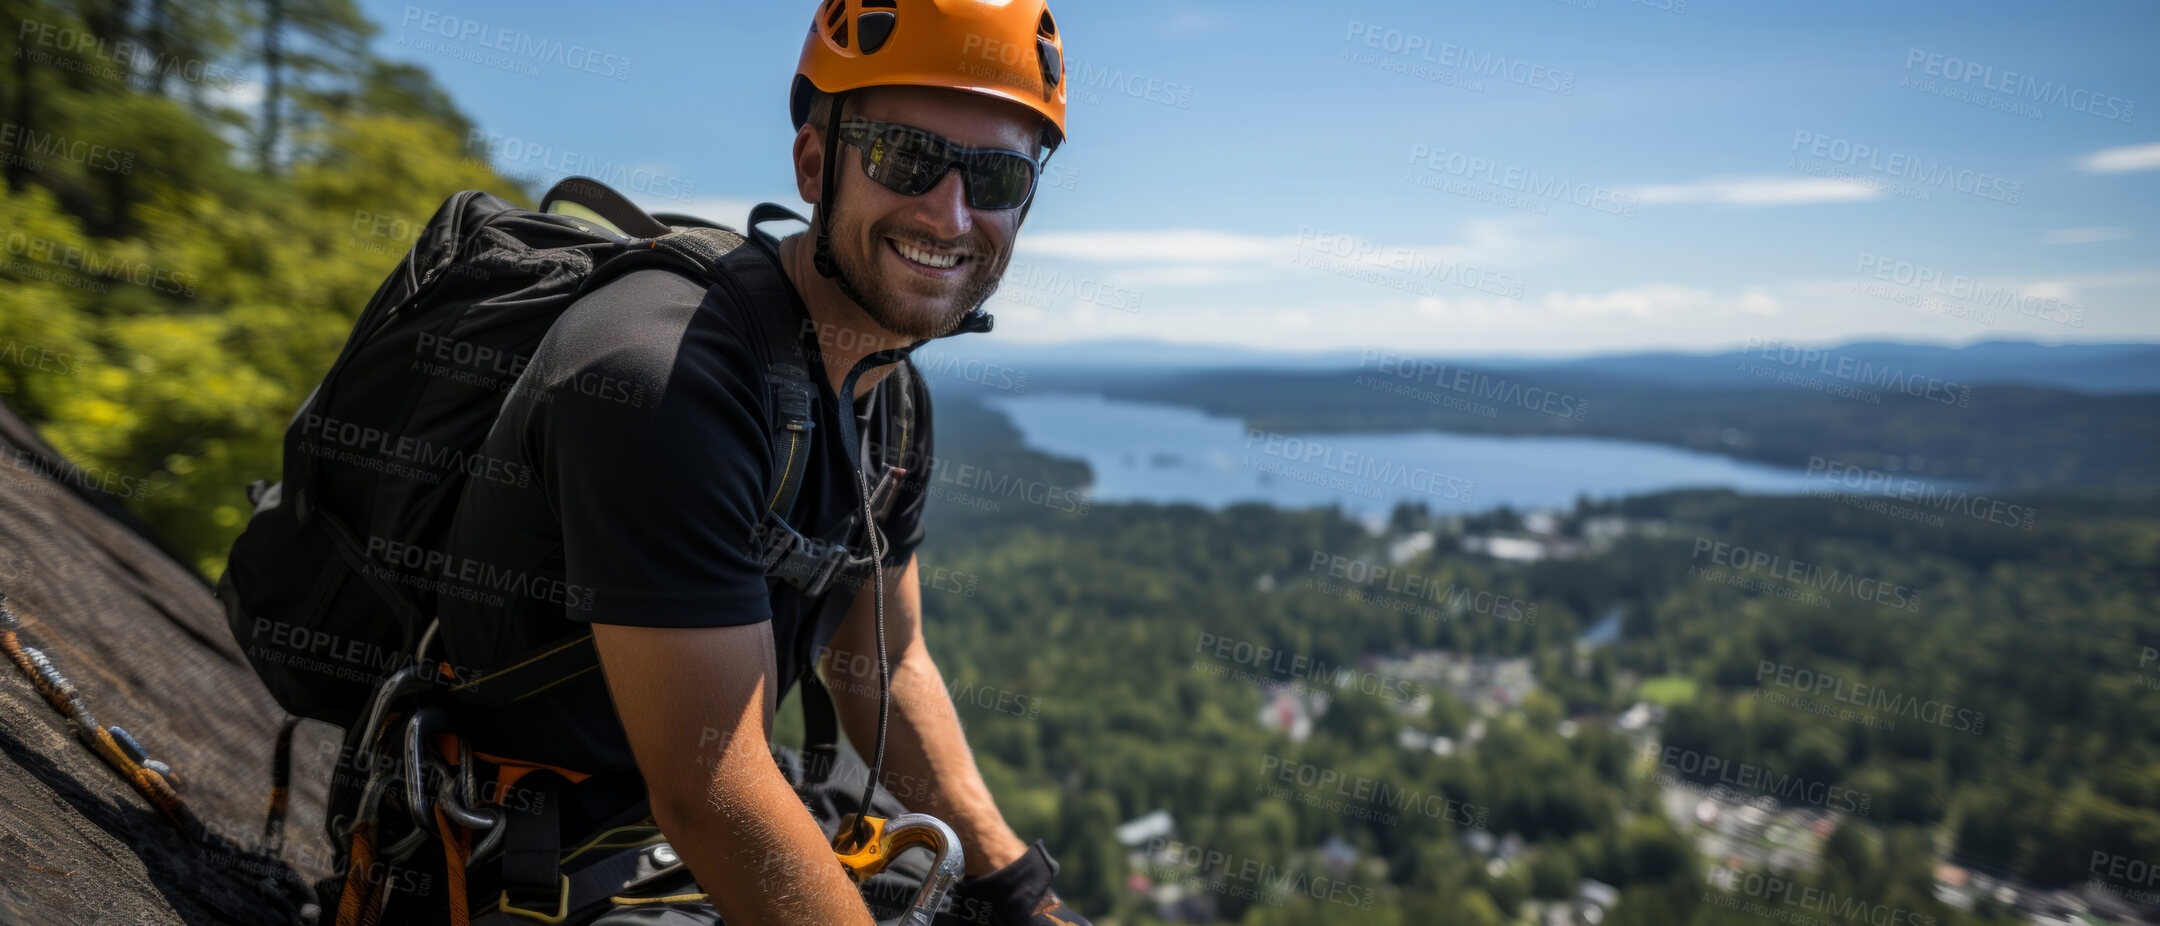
<point x="2092" y="368"/>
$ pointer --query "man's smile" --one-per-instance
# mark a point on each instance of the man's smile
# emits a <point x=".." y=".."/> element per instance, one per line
<point x="935" y="262"/>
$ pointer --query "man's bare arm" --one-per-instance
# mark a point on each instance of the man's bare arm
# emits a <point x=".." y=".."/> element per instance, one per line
<point x="927" y="762"/>
<point x="698" y="705"/>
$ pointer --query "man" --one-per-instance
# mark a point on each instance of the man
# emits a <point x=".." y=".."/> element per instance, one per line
<point x="643" y="416"/>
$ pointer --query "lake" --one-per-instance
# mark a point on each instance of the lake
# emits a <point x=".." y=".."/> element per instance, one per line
<point x="1149" y="452"/>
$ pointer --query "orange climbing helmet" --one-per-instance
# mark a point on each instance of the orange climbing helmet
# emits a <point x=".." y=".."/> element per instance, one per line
<point x="1007" y="49"/>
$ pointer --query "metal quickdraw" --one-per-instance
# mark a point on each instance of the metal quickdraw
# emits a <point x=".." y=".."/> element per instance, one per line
<point x="155" y="780"/>
<point x="436" y="796"/>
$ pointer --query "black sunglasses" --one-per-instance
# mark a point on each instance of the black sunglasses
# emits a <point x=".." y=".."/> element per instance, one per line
<point x="911" y="161"/>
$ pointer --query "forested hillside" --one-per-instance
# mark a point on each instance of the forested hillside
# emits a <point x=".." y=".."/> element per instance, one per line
<point x="1997" y="696"/>
<point x="194" y="213"/>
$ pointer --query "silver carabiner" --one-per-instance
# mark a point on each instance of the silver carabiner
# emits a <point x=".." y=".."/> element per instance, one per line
<point x="889" y="838"/>
<point x="425" y="722"/>
<point x="461" y="812"/>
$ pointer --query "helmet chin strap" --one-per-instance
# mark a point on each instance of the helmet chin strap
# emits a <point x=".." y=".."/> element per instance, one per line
<point x="823" y="259"/>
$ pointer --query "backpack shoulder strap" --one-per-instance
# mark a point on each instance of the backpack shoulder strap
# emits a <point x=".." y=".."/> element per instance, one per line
<point x="695" y="252"/>
<point x="765" y="294"/>
<point x="808" y="563"/>
<point x="715" y="255"/>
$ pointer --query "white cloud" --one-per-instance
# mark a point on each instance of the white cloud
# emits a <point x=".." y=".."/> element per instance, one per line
<point x="2126" y="158"/>
<point x="1756" y="191"/>
<point x="2085" y="235"/>
<point x="1174" y="275"/>
<point x="1662" y="315"/>
<point x="2058" y="290"/>
<point x="1639" y="301"/>
<point x="1464" y="310"/>
<point x="1651" y="303"/>
<point x="1758" y="301"/>
<point x="1180" y="257"/>
<point x="1666" y="301"/>
<point x="1488" y="243"/>
<point x="1025" y="315"/>
<point x="1169" y="245"/>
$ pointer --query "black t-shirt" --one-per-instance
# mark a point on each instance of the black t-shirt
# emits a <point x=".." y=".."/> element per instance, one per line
<point x="644" y="416"/>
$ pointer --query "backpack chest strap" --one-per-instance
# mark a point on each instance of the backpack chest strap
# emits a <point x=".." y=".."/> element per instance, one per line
<point x="808" y="563"/>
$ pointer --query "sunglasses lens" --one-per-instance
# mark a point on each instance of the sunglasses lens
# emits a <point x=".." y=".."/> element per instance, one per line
<point x="999" y="180"/>
<point x="903" y="161"/>
<point x="910" y="162"/>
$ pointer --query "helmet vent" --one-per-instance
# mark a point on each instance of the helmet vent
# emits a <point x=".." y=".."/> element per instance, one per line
<point x="1048" y="28"/>
<point x="873" y="29"/>
<point x="834" y="13"/>
<point x="1053" y="65"/>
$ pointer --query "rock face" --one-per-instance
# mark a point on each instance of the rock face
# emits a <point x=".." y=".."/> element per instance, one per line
<point x="145" y="642"/>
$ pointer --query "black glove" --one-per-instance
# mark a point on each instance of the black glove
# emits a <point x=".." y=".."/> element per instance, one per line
<point x="1018" y="894"/>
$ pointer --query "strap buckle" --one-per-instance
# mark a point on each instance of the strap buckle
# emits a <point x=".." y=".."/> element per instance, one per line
<point x="562" y="906"/>
<point x="807" y="563"/>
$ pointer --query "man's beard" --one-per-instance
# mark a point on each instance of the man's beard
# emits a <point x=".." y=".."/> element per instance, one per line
<point x="860" y="280"/>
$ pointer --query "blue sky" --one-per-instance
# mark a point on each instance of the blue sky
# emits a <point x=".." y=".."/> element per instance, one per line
<point x="1515" y="176"/>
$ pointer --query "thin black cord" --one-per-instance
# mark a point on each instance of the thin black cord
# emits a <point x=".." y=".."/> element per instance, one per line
<point x="877" y="570"/>
<point x="822" y="257"/>
<point x="877" y="595"/>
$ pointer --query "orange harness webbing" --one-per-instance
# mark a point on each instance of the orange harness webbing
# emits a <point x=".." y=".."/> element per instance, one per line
<point x="454" y="861"/>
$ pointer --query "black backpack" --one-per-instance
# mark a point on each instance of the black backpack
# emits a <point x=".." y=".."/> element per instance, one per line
<point x="385" y="445"/>
<point x="384" y="448"/>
